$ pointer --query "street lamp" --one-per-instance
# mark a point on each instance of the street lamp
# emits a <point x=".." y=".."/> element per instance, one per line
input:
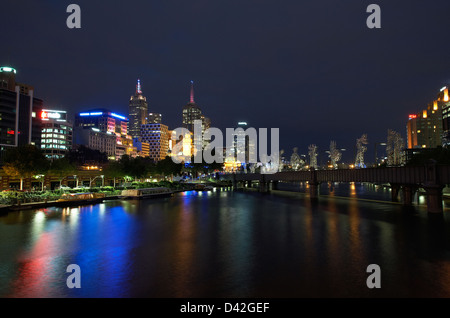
<point x="92" y="180"/>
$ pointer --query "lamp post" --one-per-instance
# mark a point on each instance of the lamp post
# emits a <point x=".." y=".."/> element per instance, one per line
<point x="92" y="180"/>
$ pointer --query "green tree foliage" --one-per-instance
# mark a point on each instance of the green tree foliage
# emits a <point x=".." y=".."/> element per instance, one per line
<point x="137" y="168"/>
<point x="62" y="168"/>
<point x="24" y="162"/>
<point x="203" y="167"/>
<point x="167" y="167"/>
<point x="84" y="154"/>
<point x="114" y="170"/>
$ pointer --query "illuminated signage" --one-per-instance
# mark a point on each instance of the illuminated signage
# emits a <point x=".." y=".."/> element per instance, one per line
<point x="53" y="114"/>
<point x="101" y="113"/>
<point x="7" y="69"/>
<point x="443" y="88"/>
<point x="412" y="116"/>
<point x="118" y="116"/>
<point x="91" y="114"/>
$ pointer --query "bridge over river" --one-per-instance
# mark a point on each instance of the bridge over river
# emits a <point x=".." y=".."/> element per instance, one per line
<point x="408" y="179"/>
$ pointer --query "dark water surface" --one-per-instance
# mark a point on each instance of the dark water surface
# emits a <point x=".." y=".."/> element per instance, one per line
<point x="228" y="244"/>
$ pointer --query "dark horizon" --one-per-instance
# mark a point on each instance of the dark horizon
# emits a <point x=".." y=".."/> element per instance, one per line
<point x="314" y="70"/>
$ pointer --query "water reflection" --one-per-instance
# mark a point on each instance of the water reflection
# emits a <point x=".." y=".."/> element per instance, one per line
<point x="227" y="244"/>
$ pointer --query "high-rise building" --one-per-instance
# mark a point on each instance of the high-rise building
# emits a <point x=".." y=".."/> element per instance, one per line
<point x="98" y="140"/>
<point x="154" y="118"/>
<point x="425" y="129"/>
<point x="191" y="112"/>
<point x="157" y="136"/>
<point x="445" y="117"/>
<point x="106" y="121"/>
<point x="20" y="112"/>
<point x="242" y="149"/>
<point x="56" y="137"/>
<point x="102" y="119"/>
<point x="138" y="110"/>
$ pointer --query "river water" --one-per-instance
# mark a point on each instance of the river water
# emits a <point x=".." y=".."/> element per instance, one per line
<point x="229" y="244"/>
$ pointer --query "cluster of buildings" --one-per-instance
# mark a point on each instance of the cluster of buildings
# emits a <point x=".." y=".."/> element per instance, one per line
<point x="430" y="128"/>
<point x="25" y="120"/>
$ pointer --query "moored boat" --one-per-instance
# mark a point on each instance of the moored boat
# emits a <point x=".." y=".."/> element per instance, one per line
<point x="146" y="193"/>
<point x="88" y="197"/>
<point x="203" y="187"/>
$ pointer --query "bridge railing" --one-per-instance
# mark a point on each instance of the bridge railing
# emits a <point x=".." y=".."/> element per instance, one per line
<point x="398" y="175"/>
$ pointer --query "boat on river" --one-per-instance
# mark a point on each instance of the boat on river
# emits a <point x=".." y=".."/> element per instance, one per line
<point x="88" y="197"/>
<point x="146" y="193"/>
<point x="203" y="187"/>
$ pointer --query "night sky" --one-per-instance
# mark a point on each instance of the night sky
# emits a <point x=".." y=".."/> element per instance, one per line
<point x="311" y="68"/>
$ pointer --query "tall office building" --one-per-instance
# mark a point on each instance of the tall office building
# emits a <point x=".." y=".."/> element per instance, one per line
<point x="242" y="149"/>
<point x="154" y="118"/>
<point x="425" y="129"/>
<point x="191" y="113"/>
<point x="445" y="117"/>
<point x="105" y="122"/>
<point x="138" y="110"/>
<point x="98" y="140"/>
<point x="102" y="119"/>
<point x="157" y="136"/>
<point x="56" y="137"/>
<point x="20" y="112"/>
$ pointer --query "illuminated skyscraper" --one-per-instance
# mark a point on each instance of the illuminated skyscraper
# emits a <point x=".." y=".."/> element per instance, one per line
<point x="105" y="124"/>
<point x="20" y="112"/>
<point x="56" y="134"/>
<point x="191" y="112"/>
<point x="157" y="136"/>
<point x="138" y="110"/>
<point x="154" y="118"/>
<point x="424" y="130"/>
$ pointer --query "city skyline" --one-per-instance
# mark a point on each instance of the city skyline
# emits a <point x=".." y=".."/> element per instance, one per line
<point x="225" y="156"/>
<point x="342" y="80"/>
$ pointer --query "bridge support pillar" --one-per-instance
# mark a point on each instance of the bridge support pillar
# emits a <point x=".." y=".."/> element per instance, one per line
<point x="263" y="186"/>
<point x="235" y="184"/>
<point x="249" y="184"/>
<point x="434" y="198"/>
<point x="394" y="192"/>
<point x="433" y="188"/>
<point x="314" y="191"/>
<point x="408" y="194"/>
<point x="275" y="185"/>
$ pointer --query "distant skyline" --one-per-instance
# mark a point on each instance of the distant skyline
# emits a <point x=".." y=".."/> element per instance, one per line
<point x="312" y="69"/>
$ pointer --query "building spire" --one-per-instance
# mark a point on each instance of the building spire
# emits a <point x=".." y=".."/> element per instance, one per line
<point x="192" y="93"/>
<point x="138" y="87"/>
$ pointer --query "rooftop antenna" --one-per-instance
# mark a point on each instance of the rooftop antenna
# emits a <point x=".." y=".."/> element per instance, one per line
<point x="192" y="93"/>
<point x="138" y="87"/>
